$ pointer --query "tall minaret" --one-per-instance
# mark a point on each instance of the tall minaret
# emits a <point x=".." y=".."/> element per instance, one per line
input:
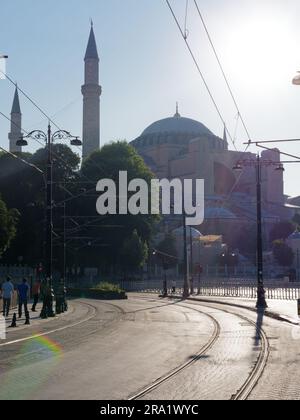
<point x="91" y="91"/>
<point x="16" y="125"/>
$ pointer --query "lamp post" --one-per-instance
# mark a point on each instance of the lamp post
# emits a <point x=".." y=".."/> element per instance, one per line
<point x="165" y="257"/>
<point x="192" y="260"/>
<point x="199" y="269"/>
<point x="186" y="292"/>
<point x="49" y="139"/>
<point x="257" y="163"/>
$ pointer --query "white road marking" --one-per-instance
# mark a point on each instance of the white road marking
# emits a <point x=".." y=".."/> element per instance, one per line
<point x="21" y="340"/>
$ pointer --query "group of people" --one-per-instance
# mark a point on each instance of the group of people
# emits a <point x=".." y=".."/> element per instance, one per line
<point x="23" y="292"/>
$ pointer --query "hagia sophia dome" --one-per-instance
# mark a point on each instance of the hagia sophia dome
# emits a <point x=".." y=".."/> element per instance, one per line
<point x="173" y="130"/>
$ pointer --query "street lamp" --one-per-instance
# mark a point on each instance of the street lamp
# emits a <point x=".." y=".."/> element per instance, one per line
<point x="257" y="164"/>
<point x="191" y="260"/>
<point x="49" y="139"/>
<point x="186" y="292"/>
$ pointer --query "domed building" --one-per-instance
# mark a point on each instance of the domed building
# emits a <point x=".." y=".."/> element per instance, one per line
<point x="179" y="147"/>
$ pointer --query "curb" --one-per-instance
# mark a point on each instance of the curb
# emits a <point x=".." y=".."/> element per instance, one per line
<point x="267" y="313"/>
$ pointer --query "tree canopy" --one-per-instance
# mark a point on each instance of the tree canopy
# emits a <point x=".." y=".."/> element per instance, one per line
<point x="92" y="240"/>
<point x="8" y="226"/>
<point x="283" y="254"/>
<point x="281" y="231"/>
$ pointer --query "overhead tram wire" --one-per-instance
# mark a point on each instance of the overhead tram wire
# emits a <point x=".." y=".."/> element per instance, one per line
<point x="200" y="72"/>
<point x="50" y="120"/>
<point x="210" y="94"/>
<point x="21" y="160"/>
<point x="16" y="85"/>
<point x="222" y="69"/>
<point x="56" y="156"/>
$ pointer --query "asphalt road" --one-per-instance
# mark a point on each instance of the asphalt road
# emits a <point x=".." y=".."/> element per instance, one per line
<point x="115" y="350"/>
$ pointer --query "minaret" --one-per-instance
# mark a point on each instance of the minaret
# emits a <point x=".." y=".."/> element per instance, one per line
<point x="16" y="125"/>
<point x="91" y="91"/>
<point x="225" y="141"/>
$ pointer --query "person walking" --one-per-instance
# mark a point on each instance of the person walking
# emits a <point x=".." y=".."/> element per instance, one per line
<point x="23" y="292"/>
<point x="174" y="287"/>
<point x="7" y="290"/>
<point x="36" y="291"/>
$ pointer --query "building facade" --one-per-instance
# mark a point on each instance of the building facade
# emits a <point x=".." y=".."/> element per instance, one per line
<point x="183" y="148"/>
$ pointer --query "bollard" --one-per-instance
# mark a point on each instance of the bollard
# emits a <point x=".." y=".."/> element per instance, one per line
<point x="14" y="321"/>
<point x="298" y="302"/>
<point x="27" y="322"/>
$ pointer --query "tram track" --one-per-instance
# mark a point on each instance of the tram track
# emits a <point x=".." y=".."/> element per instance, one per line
<point x="246" y="389"/>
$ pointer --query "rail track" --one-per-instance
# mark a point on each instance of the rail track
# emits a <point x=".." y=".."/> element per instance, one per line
<point x="246" y="389"/>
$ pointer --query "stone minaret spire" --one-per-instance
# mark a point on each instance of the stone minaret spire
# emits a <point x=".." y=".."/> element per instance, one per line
<point x="91" y="91"/>
<point x="225" y="141"/>
<point x="16" y="125"/>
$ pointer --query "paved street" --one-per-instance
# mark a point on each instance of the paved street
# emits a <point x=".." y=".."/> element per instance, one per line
<point x="117" y="350"/>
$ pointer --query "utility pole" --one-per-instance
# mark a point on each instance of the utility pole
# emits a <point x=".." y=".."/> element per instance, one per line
<point x="261" y="301"/>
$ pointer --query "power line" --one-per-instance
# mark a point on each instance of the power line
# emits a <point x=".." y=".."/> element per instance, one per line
<point x="282" y="153"/>
<point x="44" y="113"/>
<point x="222" y="68"/>
<point x="42" y="144"/>
<point x="22" y="160"/>
<point x="200" y="72"/>
<point x="30" y="100"/>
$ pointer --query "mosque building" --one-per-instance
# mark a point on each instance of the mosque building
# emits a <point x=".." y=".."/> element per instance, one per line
<point x="180" y="147"/>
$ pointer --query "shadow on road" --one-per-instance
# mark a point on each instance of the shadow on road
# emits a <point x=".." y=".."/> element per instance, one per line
<point x="259" y="324"/>
<point x="172" y="303"/>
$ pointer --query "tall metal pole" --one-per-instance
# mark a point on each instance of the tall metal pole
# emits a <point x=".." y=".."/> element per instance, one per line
<point x="49" y="212"/>
<point x="298" y="265"/>
<point x="65" y="245"/>
<point x="199" y="278"/>
<point x="185" y="253"/>
<point x="192" y="261"/>
<point x="261" y="301"/>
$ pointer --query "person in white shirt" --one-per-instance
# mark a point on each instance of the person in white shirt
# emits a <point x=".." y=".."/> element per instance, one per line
<point x="7" y="290"/>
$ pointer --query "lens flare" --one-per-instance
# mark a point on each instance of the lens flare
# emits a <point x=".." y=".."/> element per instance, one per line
<point x="32" y="367"/>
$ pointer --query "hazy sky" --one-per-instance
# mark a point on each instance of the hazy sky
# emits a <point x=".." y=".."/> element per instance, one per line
<point x="145" y="66"/>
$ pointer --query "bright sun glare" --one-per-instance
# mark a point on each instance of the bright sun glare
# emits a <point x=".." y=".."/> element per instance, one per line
<point x="262" y="51"/>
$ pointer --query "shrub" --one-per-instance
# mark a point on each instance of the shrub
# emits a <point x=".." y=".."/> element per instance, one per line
<point x="108" y="287"/>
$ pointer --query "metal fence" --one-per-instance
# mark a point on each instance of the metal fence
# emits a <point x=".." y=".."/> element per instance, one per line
<point x="240" y="288"/>
<point x="16" y="272"/>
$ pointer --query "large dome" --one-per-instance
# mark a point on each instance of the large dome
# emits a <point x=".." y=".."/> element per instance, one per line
<point x="177" y="125"/>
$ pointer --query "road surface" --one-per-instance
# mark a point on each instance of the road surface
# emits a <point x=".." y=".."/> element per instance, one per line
<point x="150" y="348"/>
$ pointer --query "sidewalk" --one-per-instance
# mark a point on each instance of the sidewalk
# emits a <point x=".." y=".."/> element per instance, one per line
<point x="281" y="310"/>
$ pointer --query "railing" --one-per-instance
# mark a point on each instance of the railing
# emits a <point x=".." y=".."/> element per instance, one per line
<point x="220" y="287"/>
<point x="16" y="272"/>
<point x="248" y="289"/>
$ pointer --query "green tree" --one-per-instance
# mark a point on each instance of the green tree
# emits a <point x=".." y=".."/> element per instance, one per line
<point x="8" y="226"/>
<point x="283" y="254"/>
<point x="281" y="231"/>
<point x="112" y="230"/>
<point x="168" y="251"/>
<point x="134" y="253"/>
<point x="296" y="220"/>
<point x="23" y="187"/>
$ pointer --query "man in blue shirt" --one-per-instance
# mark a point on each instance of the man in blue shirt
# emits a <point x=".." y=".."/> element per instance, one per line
<point x="23" y="292"/>
<point x="7" y="290"/>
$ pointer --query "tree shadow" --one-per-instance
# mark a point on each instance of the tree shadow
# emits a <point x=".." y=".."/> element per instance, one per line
<point x="199" y="357"/>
